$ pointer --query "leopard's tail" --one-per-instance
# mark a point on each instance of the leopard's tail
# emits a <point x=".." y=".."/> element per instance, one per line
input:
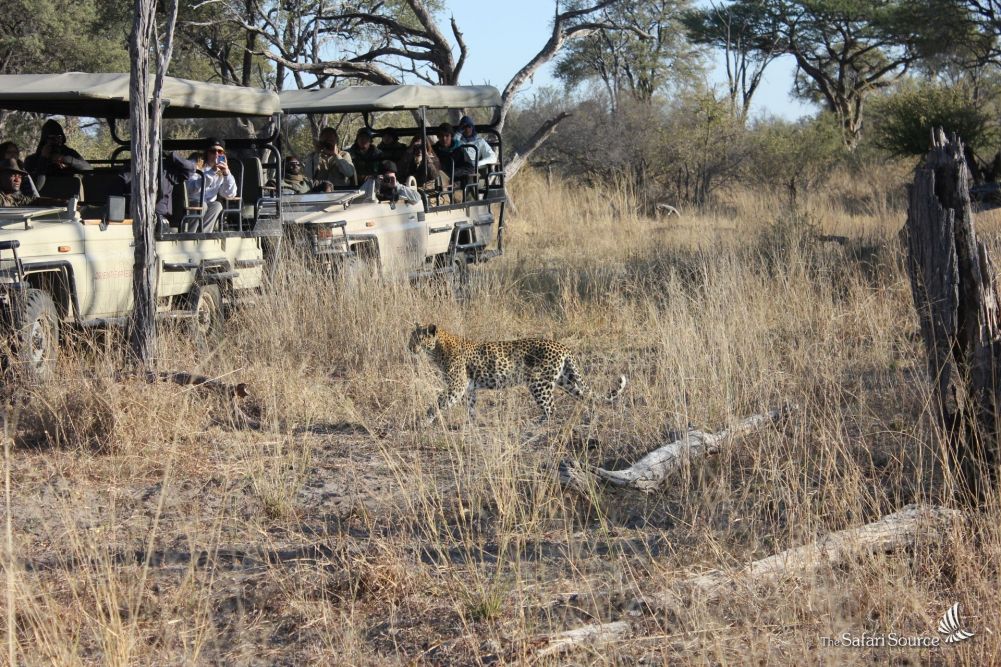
<point x="577" y="385"/>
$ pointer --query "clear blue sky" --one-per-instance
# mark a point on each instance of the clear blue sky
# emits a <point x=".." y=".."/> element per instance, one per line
<point x="503" y="36"/>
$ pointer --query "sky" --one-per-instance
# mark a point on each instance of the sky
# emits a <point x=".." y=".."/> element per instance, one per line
<point x="503" y="36"/>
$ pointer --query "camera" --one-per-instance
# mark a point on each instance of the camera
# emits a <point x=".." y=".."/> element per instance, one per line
<point x="386" y="189"/>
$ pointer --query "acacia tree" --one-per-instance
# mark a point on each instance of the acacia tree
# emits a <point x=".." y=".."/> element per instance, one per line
<point x="748" y="45"/>
<point x="145" y="114"/>
<point x="641" y="48"/>
<point x="846" y="49"/>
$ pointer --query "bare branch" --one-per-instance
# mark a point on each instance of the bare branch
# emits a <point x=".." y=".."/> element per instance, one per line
<point x="539" y="137"/>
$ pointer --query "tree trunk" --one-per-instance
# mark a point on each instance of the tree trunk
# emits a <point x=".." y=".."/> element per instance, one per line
<point x="955" y="293"/>
<point x="540" y="137"/>
<point x="145" y="111"/>
<point x="142" y="335"/>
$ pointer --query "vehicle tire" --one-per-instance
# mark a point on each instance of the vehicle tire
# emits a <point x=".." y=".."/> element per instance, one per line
<point x="351" y="270"/>
<point x="459" y="279"/>
<point x="205" y="301"/>
<point x="36" y="336"/>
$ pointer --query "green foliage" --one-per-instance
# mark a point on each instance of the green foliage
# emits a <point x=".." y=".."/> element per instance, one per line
<point x="904" y="119"/>
<point x="847" y="49"/>
<point x="61" y="36"/>
<point x="794" y="155"/>
<point x="646" y="53"/>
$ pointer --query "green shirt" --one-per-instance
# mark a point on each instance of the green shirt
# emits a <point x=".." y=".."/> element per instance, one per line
<point x="15" y="199"/>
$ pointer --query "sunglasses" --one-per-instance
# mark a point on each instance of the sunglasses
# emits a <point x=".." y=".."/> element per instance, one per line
<point x="295" y="164"/>
<point x="217" y="151"/>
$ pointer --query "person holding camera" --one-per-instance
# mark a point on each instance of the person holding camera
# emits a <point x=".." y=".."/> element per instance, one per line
<point x="53" y="157"/>
<point x="215" y="181"/>
<point x="328" y="162"/>
<point x="384" y="186"/>
<point x="422" y="164"/>
<point x="364" y="154"/>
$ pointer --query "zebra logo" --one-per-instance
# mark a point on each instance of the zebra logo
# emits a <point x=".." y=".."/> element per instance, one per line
<point x="951" y="626"/>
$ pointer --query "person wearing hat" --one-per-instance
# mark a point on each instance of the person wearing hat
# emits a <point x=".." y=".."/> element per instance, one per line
<point x="483" y="155"/>
<point x="293" y="180"/>
<point x="53" y="157"/>
<point x="385" y="187"/>
<point x="218" y="182"/>
<point x="11" y="176"/>
<point x="328" y="162"/>
<point x="364" y="154"/>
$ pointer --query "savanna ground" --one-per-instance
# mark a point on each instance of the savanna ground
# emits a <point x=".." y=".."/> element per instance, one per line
<point x="149" y="529"/>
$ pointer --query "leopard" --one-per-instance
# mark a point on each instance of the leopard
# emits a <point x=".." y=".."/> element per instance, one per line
<point x="541" y="363"/>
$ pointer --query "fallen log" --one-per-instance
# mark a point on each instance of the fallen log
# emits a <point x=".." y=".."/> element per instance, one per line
<point x="588" y="635"/>
<point x="893" y="532"/>
<point x="651" y="472"/>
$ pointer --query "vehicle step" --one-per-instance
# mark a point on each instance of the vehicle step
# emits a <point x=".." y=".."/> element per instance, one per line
<point x="249" y="263"/>
<point x="179" y="266"/>
<point x="176" y="315"/>
<point x="218" y="276"/>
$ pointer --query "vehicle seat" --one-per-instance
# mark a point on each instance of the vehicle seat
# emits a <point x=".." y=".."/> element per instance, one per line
<point x="253" y="182"/>
<point x="99" y="184"/>
<point x="63" y="187"/>
<point x="232" y="207"/>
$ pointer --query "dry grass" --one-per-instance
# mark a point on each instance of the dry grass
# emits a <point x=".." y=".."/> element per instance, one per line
<point x="149" y="530"/>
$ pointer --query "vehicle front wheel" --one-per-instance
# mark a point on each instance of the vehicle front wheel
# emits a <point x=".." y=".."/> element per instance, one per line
<point x="205" y="302"/>
<point x="36" y="336"/>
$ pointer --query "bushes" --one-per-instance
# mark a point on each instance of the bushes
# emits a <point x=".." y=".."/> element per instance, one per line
<point x="903" y="120"/>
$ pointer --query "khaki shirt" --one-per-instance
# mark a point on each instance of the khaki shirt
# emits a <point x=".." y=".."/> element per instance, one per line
<point x="14" y="199"/>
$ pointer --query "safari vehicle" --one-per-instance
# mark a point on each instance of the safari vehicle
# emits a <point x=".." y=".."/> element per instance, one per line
<point x="454" y="225"/>
<point x="71" y="265"/>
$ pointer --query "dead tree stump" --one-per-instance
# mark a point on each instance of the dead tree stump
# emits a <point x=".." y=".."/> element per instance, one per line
<point x="955" y="291"/>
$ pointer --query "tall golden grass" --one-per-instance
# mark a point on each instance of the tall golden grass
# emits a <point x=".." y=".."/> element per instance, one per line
<point x="149" y="529"/>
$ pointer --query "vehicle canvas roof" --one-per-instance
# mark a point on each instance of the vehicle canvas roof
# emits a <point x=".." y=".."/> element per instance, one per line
<point x="346" y="99"/>
<point x="107" y="96"/>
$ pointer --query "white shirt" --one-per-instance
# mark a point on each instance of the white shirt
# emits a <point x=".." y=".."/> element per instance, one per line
<point x="215" y="184"/>
<point x="407" y="194"/>
<point x="486" y="153"/>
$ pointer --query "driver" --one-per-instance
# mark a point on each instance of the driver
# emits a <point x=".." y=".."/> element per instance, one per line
<point x="385" y="187"/>
<point x="11" y="176"/>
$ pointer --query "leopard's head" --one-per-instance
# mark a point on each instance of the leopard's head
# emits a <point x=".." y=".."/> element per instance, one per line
<point x="423" y="337"/>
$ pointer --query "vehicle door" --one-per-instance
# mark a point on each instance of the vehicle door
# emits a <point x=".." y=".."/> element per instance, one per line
<point x="104" y="290"/>
<point x="402" y="236"/>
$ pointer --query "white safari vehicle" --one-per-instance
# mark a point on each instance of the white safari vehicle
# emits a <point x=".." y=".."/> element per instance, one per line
<point x="457" y="222"/>
<point x="70" y="265"/>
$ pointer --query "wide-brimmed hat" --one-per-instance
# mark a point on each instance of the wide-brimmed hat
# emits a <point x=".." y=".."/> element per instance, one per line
<point x="11" y="164"/>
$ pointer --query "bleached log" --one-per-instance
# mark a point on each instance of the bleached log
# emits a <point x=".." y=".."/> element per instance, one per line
<point x="891" y="533"/>
<point x="650" y="472"/>
<point x="590" y="635"/>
